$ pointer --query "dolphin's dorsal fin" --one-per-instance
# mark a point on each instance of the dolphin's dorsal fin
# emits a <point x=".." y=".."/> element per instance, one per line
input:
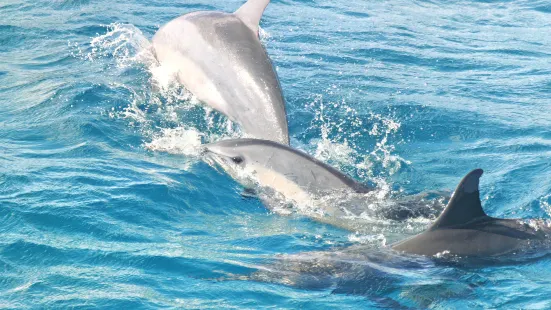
<point x="465" y="205"/>
<point x="251" y="13"/>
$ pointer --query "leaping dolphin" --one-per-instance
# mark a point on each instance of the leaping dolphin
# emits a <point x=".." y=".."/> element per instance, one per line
<point x="219" y="58"/>
<point x="464" y="229"/>
<point x="304" y="180"/>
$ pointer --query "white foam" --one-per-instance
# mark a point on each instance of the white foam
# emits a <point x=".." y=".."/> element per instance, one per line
<point x="340" y="124"/>
<point x="377" y="239"/>
<point x="123" y="42"/>
<point x="164" y="76"/>
<point x="177" y="141"/>
<point x="442" y="254"/>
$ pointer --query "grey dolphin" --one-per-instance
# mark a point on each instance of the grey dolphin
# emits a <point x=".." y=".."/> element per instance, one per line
<point x="464" y="229"/>
<point x="219" y="58"/>
<point x="280" y="165"/>
<point x="358" y="270"/>
<point x="304" y="180"/>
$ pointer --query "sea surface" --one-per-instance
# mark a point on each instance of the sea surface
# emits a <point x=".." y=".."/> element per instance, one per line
<point x="105" y="201"/>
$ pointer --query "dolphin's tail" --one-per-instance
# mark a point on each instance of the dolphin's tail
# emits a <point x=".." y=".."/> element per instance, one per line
<point x="251" y="13"/>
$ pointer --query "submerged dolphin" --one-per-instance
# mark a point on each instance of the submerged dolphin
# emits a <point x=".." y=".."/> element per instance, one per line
<point x="358" y="270"/>
<point x="305" y="180"/>
<point x="219" y="58"/>
<point x="464" y="229"/>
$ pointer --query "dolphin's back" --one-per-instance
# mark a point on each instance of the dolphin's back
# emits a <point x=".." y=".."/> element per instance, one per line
<point x="487" y="238"/>
<point x="464" y="229"/>
<point x="222" y="62"/>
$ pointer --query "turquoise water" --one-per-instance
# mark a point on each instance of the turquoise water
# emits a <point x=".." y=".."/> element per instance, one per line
<point x="106" y="203"/>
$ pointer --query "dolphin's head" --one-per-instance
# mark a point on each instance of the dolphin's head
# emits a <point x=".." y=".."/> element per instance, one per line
<point x="240" y="158"/>
<point x="229" y="154"/>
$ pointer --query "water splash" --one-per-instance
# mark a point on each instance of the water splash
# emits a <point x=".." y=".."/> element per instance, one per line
<point x="177" y="141"/>
<point x="378" y="240"/>
<point x="168" y="116"/>
<point x="341" y="125"/>
<point x="383" y="128"/>
<point x="123" y="43"/>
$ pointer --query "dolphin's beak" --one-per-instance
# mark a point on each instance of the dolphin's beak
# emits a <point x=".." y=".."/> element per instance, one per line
<point x="204" y="151"/>
<point x="213" y="158"/>
<point x="208" y="156"/>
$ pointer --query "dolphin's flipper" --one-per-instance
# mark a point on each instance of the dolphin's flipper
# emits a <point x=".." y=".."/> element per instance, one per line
<point x="249" y="193"/>
<point x="251" y="13"/>
<point x="465" y="205"/>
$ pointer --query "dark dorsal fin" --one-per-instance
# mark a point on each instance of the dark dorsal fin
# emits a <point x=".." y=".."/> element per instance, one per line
<point x="465" y="205"/>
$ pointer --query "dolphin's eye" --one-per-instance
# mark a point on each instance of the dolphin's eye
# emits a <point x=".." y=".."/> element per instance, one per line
<point x="237" y="159"/>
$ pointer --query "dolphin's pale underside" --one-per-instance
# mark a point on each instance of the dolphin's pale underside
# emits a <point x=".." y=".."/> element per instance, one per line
<point x="219" y="58"/>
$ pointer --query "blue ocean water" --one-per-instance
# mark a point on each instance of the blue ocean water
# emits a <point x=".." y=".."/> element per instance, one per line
<point x="106" y="203"/>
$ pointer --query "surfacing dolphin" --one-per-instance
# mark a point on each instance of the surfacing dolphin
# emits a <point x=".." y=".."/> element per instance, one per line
<point x="306" y="181"/>
<point x="463" y="229"/>
<point x="219" y="58"/>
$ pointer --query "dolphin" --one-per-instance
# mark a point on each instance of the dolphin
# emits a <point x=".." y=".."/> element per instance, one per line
<point x="464" y="229"/>
<point x="298" y="177"/>
<point x="357" y="270"/>
<point x="219" y="58"/>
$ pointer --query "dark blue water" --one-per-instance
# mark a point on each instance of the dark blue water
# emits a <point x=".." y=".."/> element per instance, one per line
<point x="104" y="201"/>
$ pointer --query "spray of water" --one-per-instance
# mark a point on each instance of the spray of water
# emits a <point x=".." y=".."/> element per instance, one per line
<point x="168" y="116"/>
